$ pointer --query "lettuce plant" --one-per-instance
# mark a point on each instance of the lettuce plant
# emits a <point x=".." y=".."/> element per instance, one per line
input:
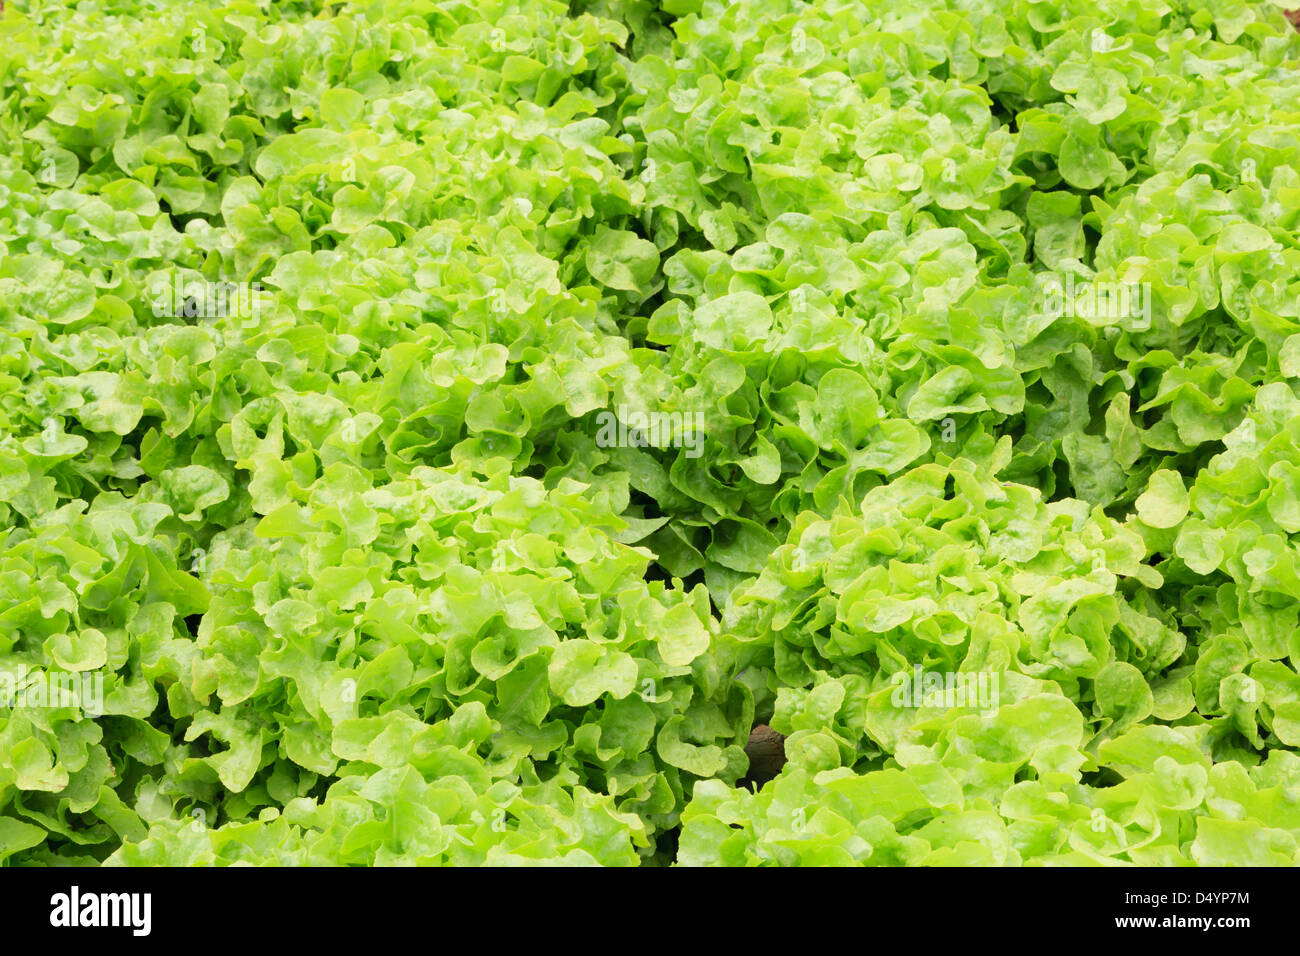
<point x="332" y="531"/>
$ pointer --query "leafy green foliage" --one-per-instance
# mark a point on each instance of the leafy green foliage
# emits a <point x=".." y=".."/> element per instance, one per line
<point x="363" y="584"/>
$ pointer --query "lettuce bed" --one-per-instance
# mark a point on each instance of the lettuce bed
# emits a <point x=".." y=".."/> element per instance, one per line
<point x="599" y="381"/>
